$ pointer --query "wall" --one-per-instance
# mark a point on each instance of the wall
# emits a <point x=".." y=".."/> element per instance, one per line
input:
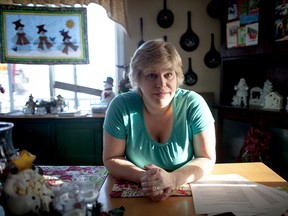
<point x="202" y="24"/>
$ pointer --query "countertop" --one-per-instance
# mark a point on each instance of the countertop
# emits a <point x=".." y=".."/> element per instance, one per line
<point x="79" y="114"/>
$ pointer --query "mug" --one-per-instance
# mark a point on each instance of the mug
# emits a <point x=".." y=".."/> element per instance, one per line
<point x="40" y="111"/>
<point x="27" y="111"/>
<point x="55" y="110"/>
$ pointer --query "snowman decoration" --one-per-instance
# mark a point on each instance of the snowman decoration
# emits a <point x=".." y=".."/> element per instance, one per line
<point x="26" y="191"/>
<point x="107" y="94"/>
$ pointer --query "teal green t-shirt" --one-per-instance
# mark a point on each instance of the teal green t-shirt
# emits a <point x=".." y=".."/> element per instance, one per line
<point x="125" y="120"/>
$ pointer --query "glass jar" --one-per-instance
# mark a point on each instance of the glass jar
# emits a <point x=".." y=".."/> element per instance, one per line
<point x="6" y="145"/>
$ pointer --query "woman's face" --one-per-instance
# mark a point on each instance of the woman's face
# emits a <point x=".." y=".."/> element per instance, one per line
<point x="158" y="87"/>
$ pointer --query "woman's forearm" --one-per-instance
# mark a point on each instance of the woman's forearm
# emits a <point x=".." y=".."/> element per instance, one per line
<point x="122" y="169"/>
<point x="192" y="171"/>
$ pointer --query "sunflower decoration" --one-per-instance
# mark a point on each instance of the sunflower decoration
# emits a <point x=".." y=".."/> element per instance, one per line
<point x="124" y="84"/>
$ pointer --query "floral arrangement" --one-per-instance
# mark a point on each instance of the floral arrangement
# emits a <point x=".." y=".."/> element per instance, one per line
<point x="256" y="146"/>
<point x="124" y="84"/>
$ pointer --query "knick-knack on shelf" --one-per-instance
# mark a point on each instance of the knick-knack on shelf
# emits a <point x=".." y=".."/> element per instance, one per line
<point x="267" y="89"/>
<point x="30" y="105"/>
<point x="60" y="103"/>
<point x="241" y="93"/>
<point x="273" y="100"/>
<point x="107" y="94"/>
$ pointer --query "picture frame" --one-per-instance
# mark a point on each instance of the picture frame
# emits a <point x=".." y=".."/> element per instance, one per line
<point x="232" y="33"/>
<point x="41" y="35"/>
<point x="242" y="23"/>
<point x="252" y="32"/>
<point x="281" y="20"/>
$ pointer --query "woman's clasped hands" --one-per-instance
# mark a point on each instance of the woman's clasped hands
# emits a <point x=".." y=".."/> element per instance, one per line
<point x="157" y="183"/>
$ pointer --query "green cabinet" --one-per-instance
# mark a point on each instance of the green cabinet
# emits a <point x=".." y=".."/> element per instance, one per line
<point x="59" y="141"/>
<point x="35" y="136"/>
<point x="79" y="142"/>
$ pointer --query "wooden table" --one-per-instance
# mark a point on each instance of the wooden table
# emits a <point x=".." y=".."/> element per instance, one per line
<point x="257" y="172"/>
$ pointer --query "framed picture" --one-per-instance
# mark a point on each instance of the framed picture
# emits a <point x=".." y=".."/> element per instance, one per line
<point x="232" y="9"/>
<point x="281" y="20"/>
<point x="252" y="34"/>
<point x="40" y="35"/>
<point x="232" y="33"/>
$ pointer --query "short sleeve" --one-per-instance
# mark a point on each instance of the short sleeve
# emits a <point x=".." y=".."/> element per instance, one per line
<point x="114" y="122"/>
<point x="199" y="114"/>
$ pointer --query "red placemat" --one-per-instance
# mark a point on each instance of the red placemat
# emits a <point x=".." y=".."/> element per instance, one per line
<point x="57" y="175"/>
<point x="122" y="188"/>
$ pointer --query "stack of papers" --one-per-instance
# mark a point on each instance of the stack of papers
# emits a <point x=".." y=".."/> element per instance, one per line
<point x="69" y="113"/>
<point x="232" y="193"/>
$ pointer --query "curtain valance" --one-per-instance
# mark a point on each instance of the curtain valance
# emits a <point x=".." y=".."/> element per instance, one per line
<point x="116" y="9"/>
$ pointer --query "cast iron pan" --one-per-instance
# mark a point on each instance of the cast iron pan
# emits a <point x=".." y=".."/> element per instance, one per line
<point x="165" y="38"/>
<point x="190" y="78"/>
<point x="165" y="17"/>
<point x="215" y="9"/>
<point x="212" y="59"/>
<point x="141" y="29"/>
<point x="189" y="41"/>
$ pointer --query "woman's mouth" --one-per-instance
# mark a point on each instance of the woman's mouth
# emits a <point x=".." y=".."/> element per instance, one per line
<point x="161" y="94"/>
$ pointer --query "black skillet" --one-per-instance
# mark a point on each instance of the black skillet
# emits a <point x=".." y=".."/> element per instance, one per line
<point x="190" y="78"/>
<point x="189" y="41"/>
<point x="141" y="29"/>
<point x="212" y="59"/>
<point x="215" y="9"/>
<point x="165" y="38"/>
<point x="165" y="17"/>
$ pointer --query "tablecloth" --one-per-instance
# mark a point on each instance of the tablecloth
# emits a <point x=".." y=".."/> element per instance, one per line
<point x="57" y="175"/>
<point x="123" y="188"/>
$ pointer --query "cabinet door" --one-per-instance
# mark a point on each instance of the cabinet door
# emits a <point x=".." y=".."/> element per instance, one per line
<point x="79" y="143"/>
<point x="35" y="137"/>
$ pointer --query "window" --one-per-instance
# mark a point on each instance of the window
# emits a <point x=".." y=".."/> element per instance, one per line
<point x="21" y="80"/>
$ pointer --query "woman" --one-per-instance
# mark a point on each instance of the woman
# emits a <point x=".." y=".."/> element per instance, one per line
<point x="158" y="134"/>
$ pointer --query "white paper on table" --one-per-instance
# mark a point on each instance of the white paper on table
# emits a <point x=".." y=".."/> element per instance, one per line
<point x="233" y="193"/>
<point x="276" y="197"/>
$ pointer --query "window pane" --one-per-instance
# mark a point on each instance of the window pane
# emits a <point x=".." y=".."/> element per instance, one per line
<point x="26" y="80"/>
<point x="102" y="49"/>
<point x="4" y="82"/>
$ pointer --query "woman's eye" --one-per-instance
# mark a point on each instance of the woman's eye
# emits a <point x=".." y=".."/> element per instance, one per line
<point x="169" y="75"/>
<point x="151" y="76"/>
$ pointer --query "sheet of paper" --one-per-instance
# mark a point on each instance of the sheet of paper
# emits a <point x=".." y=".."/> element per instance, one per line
<point x="233" y="193"/>
<point x="277" y="198"/>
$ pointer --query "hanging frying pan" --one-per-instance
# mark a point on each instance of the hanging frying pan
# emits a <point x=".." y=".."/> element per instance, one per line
<point x="212" y="59"/>
<point x="141" y="29"/>
<point x="165" y="38"/>
<point x="165" y="17"/>
<point x="190" y="78"/>
<point x="215" y="9"/>
<point x="189" y="41"/>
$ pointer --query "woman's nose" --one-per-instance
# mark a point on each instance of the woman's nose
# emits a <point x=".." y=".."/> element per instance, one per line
<point x="161" y="81"/>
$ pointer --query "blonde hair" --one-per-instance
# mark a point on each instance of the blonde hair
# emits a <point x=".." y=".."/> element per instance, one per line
<point x="155" y="55"/>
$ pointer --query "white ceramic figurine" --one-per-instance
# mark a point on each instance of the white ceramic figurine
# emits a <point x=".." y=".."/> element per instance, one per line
<point x="241" y="93"/>
<point x="107" y="94"/>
